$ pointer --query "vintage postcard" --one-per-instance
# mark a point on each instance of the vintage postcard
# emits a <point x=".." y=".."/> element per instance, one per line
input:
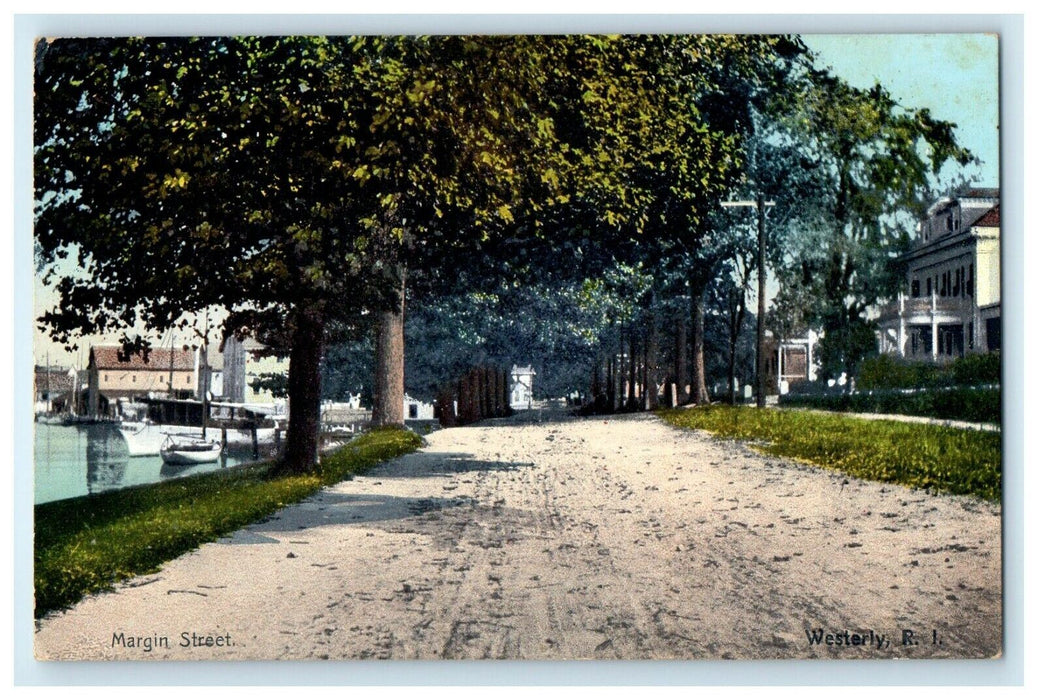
<point x="517" y="346"/>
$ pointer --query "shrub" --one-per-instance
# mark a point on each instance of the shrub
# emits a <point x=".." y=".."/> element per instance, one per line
<point x="981" y="368"/>
<point x="974" y="404"/>
<point x="888" y="372"/>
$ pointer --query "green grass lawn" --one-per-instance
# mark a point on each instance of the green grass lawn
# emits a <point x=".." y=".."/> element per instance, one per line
<point x="83" y="545"/>
<point x="913" y="454"/>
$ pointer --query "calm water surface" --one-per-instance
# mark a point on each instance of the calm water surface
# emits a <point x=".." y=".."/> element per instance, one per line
<point x="79" y="460"/>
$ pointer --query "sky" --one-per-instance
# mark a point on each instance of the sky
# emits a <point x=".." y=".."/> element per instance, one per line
<point x="954" y="75"/>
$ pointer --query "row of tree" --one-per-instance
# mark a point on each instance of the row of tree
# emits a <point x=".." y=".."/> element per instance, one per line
<point x="316" y="188"/>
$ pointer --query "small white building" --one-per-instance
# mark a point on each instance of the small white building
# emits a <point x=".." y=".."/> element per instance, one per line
<point x="521" y="392"/>
<point x="795" y="363"/>
<point x="413" y="409"/>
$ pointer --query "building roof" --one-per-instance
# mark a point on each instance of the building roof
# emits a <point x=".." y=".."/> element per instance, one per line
<point x="160" y="359"/>
<point x="972" y="193"/>
<point x="992" y="217"/>
<point x="981" y="193"/>
<point x="54" y="380"/>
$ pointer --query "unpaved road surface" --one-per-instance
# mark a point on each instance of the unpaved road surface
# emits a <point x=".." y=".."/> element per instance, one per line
<point x="572" y="538"/>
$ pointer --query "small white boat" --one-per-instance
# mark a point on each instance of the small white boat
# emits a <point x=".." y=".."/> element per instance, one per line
<point x="178" y="449"/>
<point x="145" y="439"/>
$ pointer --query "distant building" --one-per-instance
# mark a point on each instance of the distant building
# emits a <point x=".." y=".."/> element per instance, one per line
<point x="244" y="362"/>
<point x="791" y="362"/>
<point x="53" y="388"/>
<point x="167" y="372"/>
<point x="211" y="374"/>
<point x="521" y="391"/>
<point x="414" y="409"/>
<point x="951" y="303"/>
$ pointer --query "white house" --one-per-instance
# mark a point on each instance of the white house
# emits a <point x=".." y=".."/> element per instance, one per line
<point x="951" y="303"/>
<point x="521" y="392"/>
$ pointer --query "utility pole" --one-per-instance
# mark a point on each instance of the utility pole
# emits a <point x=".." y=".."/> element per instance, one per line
<point x="760" y="371"/>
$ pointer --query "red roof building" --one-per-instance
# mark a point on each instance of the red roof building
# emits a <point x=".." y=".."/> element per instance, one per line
<point x="113" y="375"/>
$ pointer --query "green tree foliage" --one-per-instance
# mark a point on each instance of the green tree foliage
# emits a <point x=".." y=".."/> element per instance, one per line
<point x="279" y="178"/>
<point x="558" y="328"/>
<point x="272" y="382"/>
<point x="302" y="183"/>
<point x="879" y="161"/>
<point x="185" y="173"/>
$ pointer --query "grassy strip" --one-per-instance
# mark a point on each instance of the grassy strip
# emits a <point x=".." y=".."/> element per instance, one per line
<point x="83" y="545"/>
<point x="916" y="455"/>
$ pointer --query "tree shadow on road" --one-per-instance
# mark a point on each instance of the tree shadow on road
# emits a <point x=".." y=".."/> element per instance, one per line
<point x="330" y="508"/>
<point x="435" y="464"/>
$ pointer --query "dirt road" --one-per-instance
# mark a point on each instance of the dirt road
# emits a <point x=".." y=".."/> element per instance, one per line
<point x="572" y="539"/>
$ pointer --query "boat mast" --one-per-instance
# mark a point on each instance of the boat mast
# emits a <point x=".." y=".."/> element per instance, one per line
<point x="170" y="376"/>
<point x="205" y="369"/>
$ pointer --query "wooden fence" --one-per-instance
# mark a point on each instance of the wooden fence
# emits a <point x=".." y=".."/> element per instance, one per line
<point x="481" y="392"/>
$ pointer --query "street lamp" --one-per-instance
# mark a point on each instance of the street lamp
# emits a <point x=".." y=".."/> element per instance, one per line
<point x="760" y="204"/>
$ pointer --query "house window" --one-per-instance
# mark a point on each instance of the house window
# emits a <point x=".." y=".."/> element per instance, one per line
<point x="413" y="410"/>
<point x="928" y="286"/>
<point x="994" y="334"/>
<point x="969" y="281"/>
<point x="970" y="336"/>
<point x="915" y="289"/>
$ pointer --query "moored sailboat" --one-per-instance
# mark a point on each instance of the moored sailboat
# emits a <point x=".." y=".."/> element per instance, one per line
<point x="179" y="449"/>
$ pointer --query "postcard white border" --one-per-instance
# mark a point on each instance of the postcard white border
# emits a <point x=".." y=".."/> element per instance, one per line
<point x="1007" y="671"/>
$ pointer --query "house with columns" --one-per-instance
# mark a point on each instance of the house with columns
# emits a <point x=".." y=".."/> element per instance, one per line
<point x="951" y="302"/>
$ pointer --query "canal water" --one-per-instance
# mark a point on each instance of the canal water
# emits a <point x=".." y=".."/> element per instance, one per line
<point x="79" y="460"/>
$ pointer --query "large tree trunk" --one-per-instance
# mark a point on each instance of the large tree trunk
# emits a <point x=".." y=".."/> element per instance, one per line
<point x="680" y="356"/>
<point x="698" y="393"/>
<point x="303" y="391"/>
<point x="632" y="349"/>
<point x="445" y="406"/>
<point x="388" y="368"/>
<point x="650" y="360"/>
